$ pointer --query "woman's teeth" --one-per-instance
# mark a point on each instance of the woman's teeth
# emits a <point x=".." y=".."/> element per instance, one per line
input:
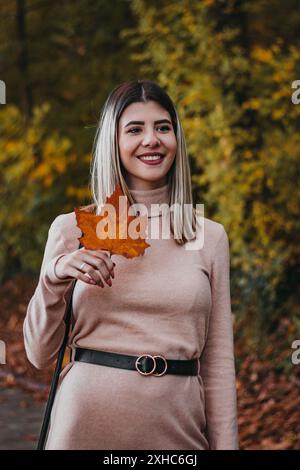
<point x="153" y="157"/>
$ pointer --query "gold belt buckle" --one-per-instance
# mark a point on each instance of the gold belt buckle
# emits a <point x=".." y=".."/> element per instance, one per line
<point x="166" y="366"/>
<point x="154" y="367"/>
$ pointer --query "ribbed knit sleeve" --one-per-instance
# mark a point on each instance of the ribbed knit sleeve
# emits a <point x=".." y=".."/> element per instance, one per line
<point x="217" y="358"/>
<point x="44" y="326"/>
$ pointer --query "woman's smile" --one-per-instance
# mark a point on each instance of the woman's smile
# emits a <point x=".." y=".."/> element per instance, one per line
<point x="151" y="159"/>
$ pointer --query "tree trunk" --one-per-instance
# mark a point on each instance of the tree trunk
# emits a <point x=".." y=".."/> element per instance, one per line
<point x="25" y="86"/>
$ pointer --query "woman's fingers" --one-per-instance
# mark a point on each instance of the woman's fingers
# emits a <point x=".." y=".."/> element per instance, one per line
<point x="99" y="254"/>
<point x="97" y="265"/>
<point x="87" y="279"/>
<point x="90" y="273"/>
<point x="90" y="280"/>
<point x="78" y="274"/>
<point x="106" y="258"/>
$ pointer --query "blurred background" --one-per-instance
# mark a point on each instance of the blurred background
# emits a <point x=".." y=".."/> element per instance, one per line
<point x="229" y="68"/>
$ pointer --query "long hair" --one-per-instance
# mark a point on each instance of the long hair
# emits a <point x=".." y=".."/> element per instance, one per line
<point x="106" y="171"/>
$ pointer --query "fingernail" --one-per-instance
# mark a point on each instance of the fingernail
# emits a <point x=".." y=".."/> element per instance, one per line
<point x="109" y="282"/>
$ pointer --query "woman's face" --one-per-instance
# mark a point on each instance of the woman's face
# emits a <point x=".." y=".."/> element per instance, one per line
<point x="146" y="128"/>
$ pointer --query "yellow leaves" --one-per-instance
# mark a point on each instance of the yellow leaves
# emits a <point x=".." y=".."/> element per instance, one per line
<point x="48" y="168"/>
<point x="40" y="172"/>
<point x="253" y="103"/>
<point x="284" y="92"/>
<point x="227" y="147"/>
<point x="278" y="114"/>
<point x="9" y="146"/>
<point x="288" y="66"/>
<point x="48" y="181"/>
<point x="11" y="150"/>
<point x="262" y="55"/>
<point x="32" y="136"/>
<point x="208" y="3"/>
<point x="278" y="76"/>
<point x="29" y="154"/>
<point x="54" y="154"/>
<point x="190" y="98"/>
<point x="267" y="222"/>
<point x="258" y="173"/>
<point x="87" y="158"/>
<point x="40" y="112"/>
<point x="292" y="205"/>
<point x="161" y="28"/>
<point x="79" y="193"/>
<point x="248" y="153"/>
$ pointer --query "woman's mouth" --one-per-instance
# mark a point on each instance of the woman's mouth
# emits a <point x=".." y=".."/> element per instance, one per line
<point x="151" y="160"/>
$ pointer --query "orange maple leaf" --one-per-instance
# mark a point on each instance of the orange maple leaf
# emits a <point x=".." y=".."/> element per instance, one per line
<point x="115" y="217"/>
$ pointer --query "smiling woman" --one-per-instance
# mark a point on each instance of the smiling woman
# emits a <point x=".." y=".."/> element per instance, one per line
<point x="138" y="123"/>
<point x="152" y="363"/>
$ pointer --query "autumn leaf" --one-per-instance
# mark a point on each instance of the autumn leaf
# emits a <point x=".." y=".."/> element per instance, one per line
<point x="113" y="228"/>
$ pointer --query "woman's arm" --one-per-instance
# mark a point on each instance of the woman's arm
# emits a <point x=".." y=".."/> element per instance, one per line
<point x="217" y="359"/>
<point x="44" y="326"/>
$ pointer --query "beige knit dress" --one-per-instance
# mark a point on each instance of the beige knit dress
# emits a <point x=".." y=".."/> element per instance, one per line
<point x="170" y="301"/>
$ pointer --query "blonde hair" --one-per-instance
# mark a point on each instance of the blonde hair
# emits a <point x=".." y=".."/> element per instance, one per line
<point x="106" y="171"/>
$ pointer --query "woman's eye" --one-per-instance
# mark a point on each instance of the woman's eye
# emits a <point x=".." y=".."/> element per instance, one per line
<point x="137" y="129"/>
<point x="133" y="129"/>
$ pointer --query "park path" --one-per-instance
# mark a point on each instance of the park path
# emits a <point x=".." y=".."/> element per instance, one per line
<point x="20" y="419"/>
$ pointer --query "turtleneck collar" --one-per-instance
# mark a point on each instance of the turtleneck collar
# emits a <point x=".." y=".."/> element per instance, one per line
<point x="152" y="196"/>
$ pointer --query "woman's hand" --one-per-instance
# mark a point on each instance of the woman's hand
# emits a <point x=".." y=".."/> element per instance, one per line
<point x="86" y="265"/>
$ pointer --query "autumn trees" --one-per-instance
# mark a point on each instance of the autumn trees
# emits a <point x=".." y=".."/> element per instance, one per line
<point x="229" y="68"/>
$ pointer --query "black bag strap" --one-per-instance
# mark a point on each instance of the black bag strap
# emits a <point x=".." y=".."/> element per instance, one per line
<point x="55" y="378"/>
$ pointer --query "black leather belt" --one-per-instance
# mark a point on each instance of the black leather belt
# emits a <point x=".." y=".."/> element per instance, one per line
<point x="145" y="364"/>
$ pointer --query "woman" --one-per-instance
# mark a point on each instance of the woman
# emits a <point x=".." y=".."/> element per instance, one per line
<point x="166" y="315"/>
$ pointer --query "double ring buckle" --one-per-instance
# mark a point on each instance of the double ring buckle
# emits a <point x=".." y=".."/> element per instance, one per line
<point x="166" y="366"/>
<point x="154" y="361"/>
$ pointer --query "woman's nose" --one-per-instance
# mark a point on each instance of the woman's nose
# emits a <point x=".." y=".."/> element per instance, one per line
<point x="150" y="138"/>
